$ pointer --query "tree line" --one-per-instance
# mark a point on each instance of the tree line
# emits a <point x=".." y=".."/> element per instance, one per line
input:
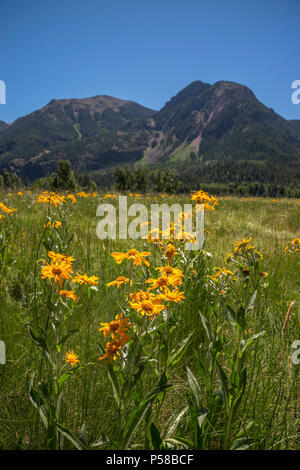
<point x="219" y="178"/>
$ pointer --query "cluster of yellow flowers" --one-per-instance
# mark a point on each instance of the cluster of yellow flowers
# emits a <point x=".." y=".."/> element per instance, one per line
<point x="20" y="193"/>
<point x="244" y="247"/>
<point x="201" y="197"/>
<point x="55" y="199"/>
<point x="59" y="269"/>
<point x="118" y="331"/>
<point x="120" y="281"/>
<point x="55" y="224"/>
<point x="293" y="246"/>
<point x="221" y="272"/>
<point x="118" y="327"/>
<point x="86" y="195"/>
<point x="245" y="259"/>
<point x="175" y="232"/>
<point x="146" y="303"/>
<point x="6" y="209"/>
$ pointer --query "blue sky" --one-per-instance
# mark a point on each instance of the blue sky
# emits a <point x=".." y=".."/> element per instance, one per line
<point x="146" y="51"/>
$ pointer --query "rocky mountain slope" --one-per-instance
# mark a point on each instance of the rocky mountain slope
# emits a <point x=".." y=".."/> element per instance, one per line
<point x="202" y="123"/>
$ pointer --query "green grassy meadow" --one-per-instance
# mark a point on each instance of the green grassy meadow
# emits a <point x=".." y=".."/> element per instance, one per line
<point x="214" y="371"/>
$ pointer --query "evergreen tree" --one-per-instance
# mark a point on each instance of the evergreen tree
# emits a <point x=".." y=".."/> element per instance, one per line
<point x="64" y="178"/>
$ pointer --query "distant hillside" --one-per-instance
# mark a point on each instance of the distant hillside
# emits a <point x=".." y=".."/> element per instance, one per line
<point x="91" y="132"/>
<point x="202" y="124"/>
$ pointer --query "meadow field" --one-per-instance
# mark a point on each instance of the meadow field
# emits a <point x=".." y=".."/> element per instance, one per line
<point x="201" y="356"/>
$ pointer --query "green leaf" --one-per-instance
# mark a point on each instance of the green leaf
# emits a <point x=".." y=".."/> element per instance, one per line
<point x="114" y="382"/>
<point x="181" y="441"/>
<point x="252" y="302"/>
<point x="64" y="339"/>
<point x="207" y="328"/>
<point x="61" y="381"/>
<point x="224" y="383"/>
<point x="174" y="421"/>
<point x="231" y="312"/>
<point x="38" y="339"/>
<point x="202" y="417"/>
<point x="41" y="342"/>
<point x="137" y="415"/>
<point x="102" y="441"/>
<point x="242" y="444"/>
<point x="241" y="318"/>
<point x="82" y="436"/>
<point x="38" y="403"/>
<point x="177" y="353"/>
<point x="155" y="437"/>
<point x="148" y="421"/>
<point x="194" y="385"/>
<point x="251" y="340"/>
<point x="71" y="437"/>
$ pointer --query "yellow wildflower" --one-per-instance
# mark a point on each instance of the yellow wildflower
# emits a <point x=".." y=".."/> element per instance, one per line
<point x="133" y="255"/>
<point x="164" y="281"/>
<point x="84" y="279"/>
<point x="72" y="358"/>
<point x="120" y="281"/>
<point x="57" y="257"/>
<point x="58" y="271"/>
<point x="170" y="253"/>
<point x="69" y="294"/>
<point x="112" y="350"/>
<point x="118" y="327"/>
<point x="172" y="295"/>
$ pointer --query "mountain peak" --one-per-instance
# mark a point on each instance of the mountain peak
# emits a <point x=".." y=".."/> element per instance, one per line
<point x="208" y="122"/>
<point x="234" y="87"/>
<point x="190" y="91"/>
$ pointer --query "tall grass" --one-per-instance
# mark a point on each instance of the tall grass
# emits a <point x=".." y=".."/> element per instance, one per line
<point x="188" y="407"/>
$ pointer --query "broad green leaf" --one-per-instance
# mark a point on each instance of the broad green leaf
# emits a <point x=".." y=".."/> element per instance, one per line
<point x="82" y="436"/>
<point x="202" y="417"/>
<point x="102" y="441"/>
<point x="195" y="388"/>
<point x="38" y="403"/>
<point x="137" y="415"/>
<point x="42" y="343"/>
<point x="155" y="437"/>
<point x="252" y="302"/>
<point x="242" y="444"/>
<point x="174" y="421"/>
<point x="64" y="339"/>
<point x="71" y="437"/>
<point x="224" y="383"/>
<point x="114" y="382"/>
<point x="177" y="353"/>
<point x="179" y="441"/>
<point x="207" y="328"/>
<point x="241" y="318"/>
<point x="61" y="381"/>
<point x="251" y="340"/>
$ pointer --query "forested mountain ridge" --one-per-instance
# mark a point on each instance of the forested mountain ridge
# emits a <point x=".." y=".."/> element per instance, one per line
<point x="200" y="125"/>
<point x="91" y="132"/>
